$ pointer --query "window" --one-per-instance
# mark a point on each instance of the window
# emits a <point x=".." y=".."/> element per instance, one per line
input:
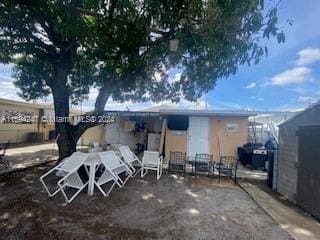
<point x="178" y="123"/>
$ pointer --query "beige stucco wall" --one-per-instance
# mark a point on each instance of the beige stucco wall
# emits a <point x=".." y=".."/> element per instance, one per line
<point x="94" y="134"/>
<point x="175" y="141"/>
<point x="221" y="142"/>
<point x="20" y="132"/>
<point x="224" y="143"/>
<point x="16" y="132"/>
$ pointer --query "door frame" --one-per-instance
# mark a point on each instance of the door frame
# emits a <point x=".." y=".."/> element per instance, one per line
<point x="209" y="133"/>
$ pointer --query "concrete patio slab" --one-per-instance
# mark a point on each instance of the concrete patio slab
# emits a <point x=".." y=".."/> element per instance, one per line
<point x="245" y="173"/>
<point x="28" y="156"/>
<point x="23" y="157"/>
<point x="301" y="227"/>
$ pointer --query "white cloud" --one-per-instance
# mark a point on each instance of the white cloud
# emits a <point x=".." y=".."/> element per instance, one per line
<point x="8" y="90"/>
<point x="292" y="76"/>
<point x="7" y="84"/>
<point x="223" y="104"/>
<point x="302" y="90"/>
<point x="308" y="56"/>
<point x="93" y="94"/>
<point x="257" y="98"/>
<point x="201" y="104"/>
<point x="250" y="85"/>
<point x="88" y="105"/>
<point x="307" y="99"/>
<point x="158" y="76"/>
<point x="176" y="78"/>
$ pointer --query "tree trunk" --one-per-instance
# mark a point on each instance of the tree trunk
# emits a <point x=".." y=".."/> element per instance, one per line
<point x="67" y="144"/>
<point x="65" y="137"/>
<point x="69" y="134"/>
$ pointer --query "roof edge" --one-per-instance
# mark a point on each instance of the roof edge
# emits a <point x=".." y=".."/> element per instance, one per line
<point x="35" y="105"/>
<point x="300" y="113"/>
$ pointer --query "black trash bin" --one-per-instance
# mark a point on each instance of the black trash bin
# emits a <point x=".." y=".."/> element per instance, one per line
<point x="246" y="151"/>
<point x="245" y="155"/>
<point x="270" y="168"/>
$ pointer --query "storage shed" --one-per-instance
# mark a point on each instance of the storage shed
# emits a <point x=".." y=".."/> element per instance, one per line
<point x="299" y="159"/>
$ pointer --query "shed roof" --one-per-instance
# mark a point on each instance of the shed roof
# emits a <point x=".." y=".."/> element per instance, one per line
<point x="316" y="104"/>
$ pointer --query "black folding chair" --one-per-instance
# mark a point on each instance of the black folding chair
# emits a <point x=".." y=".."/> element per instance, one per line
<point x="228" y="166"/>
<point x="203" y="163"/>
<point x="177" y="162"/>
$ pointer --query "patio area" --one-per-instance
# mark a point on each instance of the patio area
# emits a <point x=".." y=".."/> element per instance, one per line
<point x="172" y="208"/>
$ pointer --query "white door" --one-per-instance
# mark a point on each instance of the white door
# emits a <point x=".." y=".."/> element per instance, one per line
<point x="198" y="136"/>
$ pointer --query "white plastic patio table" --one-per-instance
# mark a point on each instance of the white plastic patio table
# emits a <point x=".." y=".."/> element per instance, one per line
<point x="93" y="163"/>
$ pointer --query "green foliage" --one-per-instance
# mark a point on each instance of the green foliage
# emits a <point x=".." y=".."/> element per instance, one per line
<point x="98" y="43"/>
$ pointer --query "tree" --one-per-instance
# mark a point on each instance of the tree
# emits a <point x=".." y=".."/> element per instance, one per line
<point x="64" y="48"/>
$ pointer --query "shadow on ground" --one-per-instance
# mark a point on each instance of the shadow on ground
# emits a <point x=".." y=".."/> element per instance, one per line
<point x="23" y="160"/>
<point x="172" y="208"/>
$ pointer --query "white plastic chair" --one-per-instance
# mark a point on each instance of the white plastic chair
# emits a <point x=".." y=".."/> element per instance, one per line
<point x="115" y="166"/>
<point x="151" y="161"/>
<point x="107" y="176"/>
<point x="71" y="178"/>
<point x="129" y="158"/>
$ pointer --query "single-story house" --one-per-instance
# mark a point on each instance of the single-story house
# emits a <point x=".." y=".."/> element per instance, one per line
<point x="299" y="159"/>
<point x="22" y="122"/>
<point x="27" y="122"/>
<point x="192" y="131"/>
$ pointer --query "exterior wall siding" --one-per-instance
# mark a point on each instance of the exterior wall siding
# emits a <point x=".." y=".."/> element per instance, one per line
<point x="288" y="150"/>
<point x="175" y="141"/>
<point x="228" y="142"/>
<point x="288" y="158"/>
<point x="21" y="132"/>
<point x="94" y="134"/>
<point x="224" y="143"/>
<point x="18" y="132"/>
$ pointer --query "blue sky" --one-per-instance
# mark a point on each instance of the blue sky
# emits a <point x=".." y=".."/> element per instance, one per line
<point x="288" y="79"/>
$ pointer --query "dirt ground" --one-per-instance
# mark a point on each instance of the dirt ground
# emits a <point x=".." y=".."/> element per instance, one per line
<point x="172" y="208"/>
